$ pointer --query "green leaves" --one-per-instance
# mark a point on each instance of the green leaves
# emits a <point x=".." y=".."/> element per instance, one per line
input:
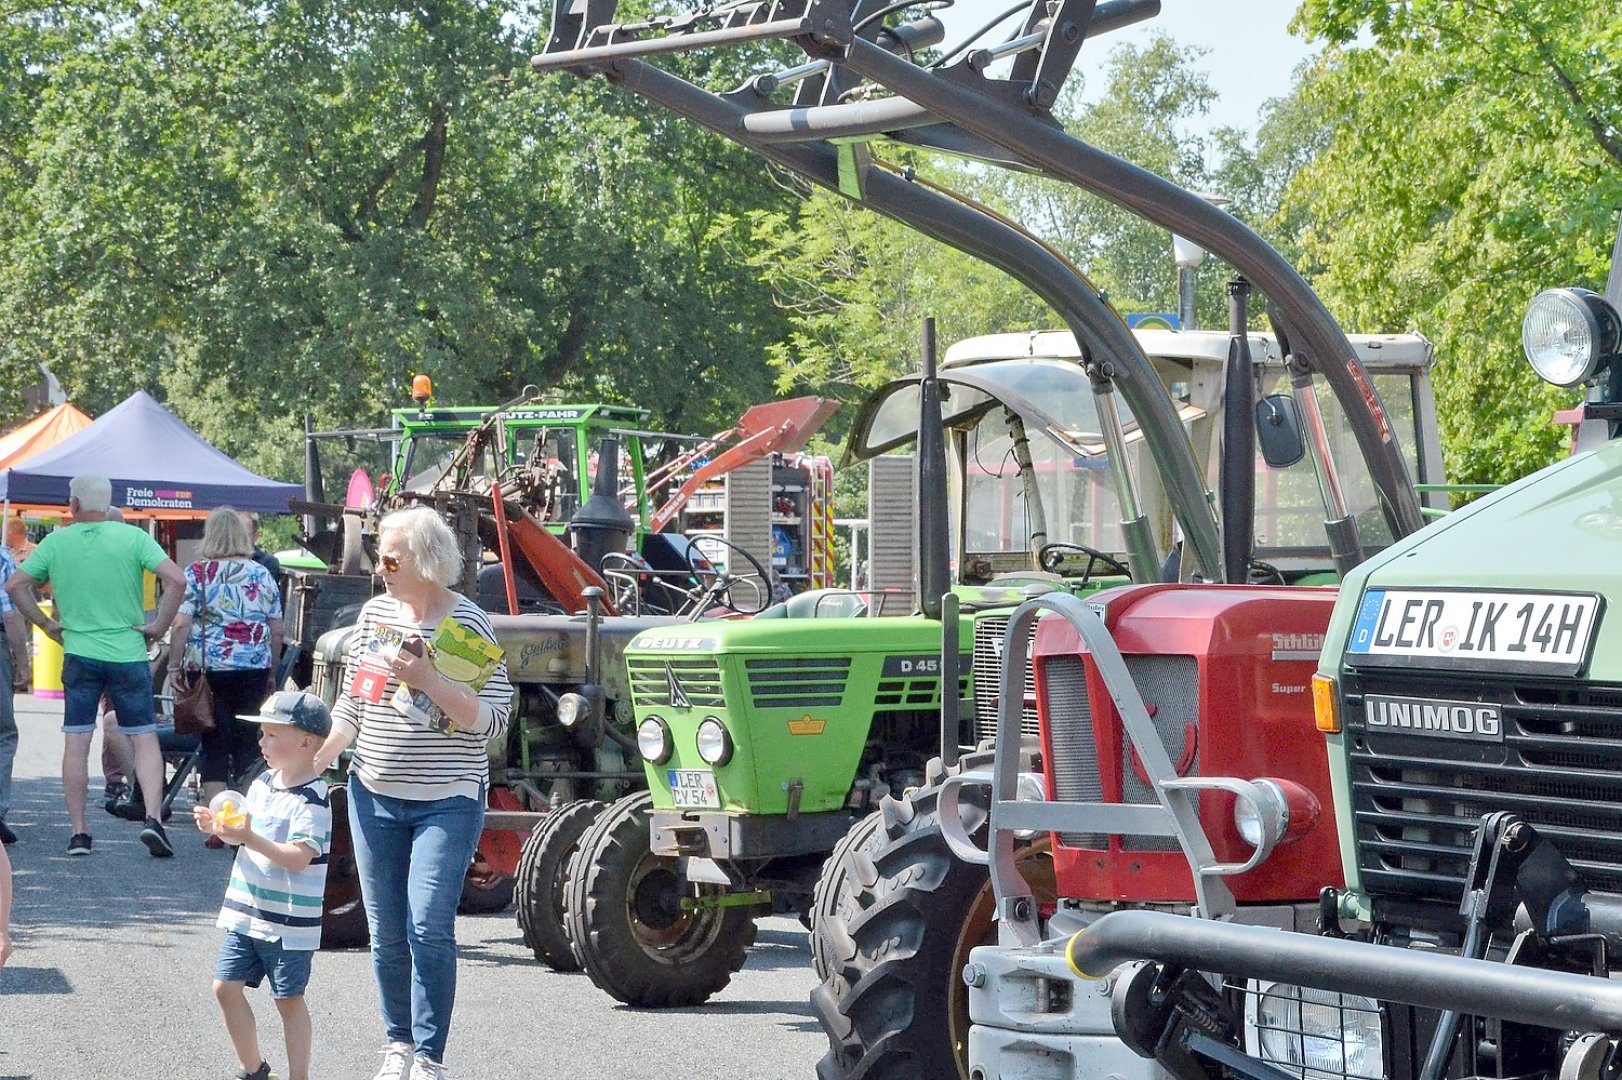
<point x="1469" y="165"/>
<point x="258" y="211"/>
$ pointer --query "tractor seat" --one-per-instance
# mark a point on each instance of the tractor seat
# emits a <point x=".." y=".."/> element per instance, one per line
<point x="818" y="604"/>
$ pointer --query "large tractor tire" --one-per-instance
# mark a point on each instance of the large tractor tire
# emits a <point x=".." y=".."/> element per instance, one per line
<point x="543" y="871"/>
<point x="834" y="901"/>
<point x="625" y="916"/>
<point x="896" y="1007"/>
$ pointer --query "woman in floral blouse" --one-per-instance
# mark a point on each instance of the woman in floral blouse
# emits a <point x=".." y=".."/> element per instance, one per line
<point x="236" y="636"/>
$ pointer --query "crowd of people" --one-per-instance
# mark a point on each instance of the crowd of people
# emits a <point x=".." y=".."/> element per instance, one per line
<point x="416" y="787"/>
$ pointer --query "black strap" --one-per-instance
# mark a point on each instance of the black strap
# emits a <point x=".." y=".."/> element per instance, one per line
<point x="202" y="614"/>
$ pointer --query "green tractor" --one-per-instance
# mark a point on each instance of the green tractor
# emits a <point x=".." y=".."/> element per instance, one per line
<point x="579" y="471"/>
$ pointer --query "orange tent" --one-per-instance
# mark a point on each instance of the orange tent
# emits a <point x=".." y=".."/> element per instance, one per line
<point x="40" y="433"/>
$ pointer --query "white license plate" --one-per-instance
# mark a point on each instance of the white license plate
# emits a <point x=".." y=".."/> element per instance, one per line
<point x="1547" y="633"/>
<point x="693" y="789"/>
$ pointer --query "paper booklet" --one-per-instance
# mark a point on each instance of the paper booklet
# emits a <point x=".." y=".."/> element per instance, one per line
<point x="460" y="655"/>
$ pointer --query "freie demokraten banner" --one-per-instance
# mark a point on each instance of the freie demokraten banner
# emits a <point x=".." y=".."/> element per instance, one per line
<point x="146" y="498"/>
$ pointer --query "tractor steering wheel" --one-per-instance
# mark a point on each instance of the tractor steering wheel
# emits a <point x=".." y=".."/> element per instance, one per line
<point x="624" y="574"/>
<point x="1051" y="556"/>
<point x="714" y="587"/>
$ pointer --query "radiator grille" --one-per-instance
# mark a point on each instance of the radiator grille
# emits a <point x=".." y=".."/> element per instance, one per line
<point x="1417" y="800"/>
<point x="1075" y="753"/>
<point x="1171" y="684"/>
<point x="987" y="666"/>
<point x="908" y="694"/>
<point x="656" y="682"/>
<point x="800" y="684"/>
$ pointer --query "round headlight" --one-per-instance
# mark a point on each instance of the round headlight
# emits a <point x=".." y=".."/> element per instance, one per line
<point x="653" y="740"/>
<point x="1320" y="1032"/>
<point x="714" y="744"/>
<point x="1568" y="335"/>
<point x="572" y="708"/>
<point x="1264" y="818"/>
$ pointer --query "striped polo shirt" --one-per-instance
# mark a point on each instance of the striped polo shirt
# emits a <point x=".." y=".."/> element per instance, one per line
<point x="264" y="900"/>
<point x="397" y="757"/>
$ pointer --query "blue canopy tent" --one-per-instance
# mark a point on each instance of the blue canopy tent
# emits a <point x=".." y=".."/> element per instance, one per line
<point x="160" y="468"/>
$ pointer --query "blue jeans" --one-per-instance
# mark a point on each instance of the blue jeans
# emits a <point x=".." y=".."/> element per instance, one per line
<point x="412" y="858"/>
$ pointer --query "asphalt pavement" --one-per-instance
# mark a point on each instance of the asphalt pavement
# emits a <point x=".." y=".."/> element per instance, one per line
<point x="115" y="955"/>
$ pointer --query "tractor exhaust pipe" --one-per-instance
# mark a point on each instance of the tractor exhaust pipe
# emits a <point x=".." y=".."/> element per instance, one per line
<point x="1551" y="999"/>
<point x="934" y="543"/>
<point x="1238" y="496"/>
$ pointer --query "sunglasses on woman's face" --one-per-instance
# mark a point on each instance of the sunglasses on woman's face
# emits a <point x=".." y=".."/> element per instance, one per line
<point x="391" y="563"/>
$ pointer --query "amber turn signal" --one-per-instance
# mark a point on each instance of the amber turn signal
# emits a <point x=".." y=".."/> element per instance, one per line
<point x="1325" y="704"/>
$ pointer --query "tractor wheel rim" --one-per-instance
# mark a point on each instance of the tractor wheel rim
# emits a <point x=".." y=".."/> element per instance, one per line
<point x="653" y="908"/>
<point x="1035" y="863"/>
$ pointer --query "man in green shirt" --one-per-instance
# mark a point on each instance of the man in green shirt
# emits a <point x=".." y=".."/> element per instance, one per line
<point x="94" y="569"/>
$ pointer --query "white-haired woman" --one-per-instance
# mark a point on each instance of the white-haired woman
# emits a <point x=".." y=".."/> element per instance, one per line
<point x="416" y="788"/>
<point x="230" y="625"/>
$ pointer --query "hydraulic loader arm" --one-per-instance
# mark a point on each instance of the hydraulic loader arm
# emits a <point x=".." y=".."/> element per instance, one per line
<point x="957" y="109"/>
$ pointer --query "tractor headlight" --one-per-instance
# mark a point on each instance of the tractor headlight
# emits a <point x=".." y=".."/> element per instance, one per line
<point x="1318" y="1032"/>
<point x="1275" y="812"/>
<point x="1569" y="335"/>
<point x="714" y="743"/>
<point x="572" y="708"/>
<point x="1265" y="818"/>
<point x="653" y="740"/>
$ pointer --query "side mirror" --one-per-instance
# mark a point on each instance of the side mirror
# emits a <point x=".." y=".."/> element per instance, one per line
<point x="1278" y="431"/>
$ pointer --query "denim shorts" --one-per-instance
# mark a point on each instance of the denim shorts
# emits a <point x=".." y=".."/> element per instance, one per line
<point x="248" y="960"/>
<point x="128" y="685"/>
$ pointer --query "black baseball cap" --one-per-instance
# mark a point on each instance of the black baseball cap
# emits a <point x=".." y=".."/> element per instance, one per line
<point x="295" y="708"/>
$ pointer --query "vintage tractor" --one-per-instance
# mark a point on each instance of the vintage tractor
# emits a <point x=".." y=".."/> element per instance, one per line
<point x="1469" y="698"/>
<point x="511" y="482"/>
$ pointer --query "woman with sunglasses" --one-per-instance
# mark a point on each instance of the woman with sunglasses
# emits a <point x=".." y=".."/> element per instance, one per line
<point x="416" y="787"/>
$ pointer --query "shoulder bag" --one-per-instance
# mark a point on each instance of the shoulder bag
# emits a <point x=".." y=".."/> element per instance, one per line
<point x="194" y="701"/>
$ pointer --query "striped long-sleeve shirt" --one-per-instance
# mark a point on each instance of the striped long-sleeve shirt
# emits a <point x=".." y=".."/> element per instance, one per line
<point x="393" y="755"/>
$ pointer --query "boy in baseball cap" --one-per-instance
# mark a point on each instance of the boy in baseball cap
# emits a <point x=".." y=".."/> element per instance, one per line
<point x="272" y="911"/>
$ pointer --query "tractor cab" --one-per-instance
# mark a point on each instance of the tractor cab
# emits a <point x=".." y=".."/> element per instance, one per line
<point x="554" y="447"/>
<point x="1008" y="397"/>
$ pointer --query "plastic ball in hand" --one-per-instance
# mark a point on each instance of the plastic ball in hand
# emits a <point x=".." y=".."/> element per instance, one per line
<point x="227" y="808"/>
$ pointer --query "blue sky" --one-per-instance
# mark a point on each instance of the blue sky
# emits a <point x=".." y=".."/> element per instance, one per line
<point x="1250" y="53"/>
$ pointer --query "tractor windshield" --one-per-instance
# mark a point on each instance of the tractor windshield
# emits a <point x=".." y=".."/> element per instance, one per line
<point x="426" y="456"/>
<point x="1289" y="507"/>
<point x="1079" y="505"/>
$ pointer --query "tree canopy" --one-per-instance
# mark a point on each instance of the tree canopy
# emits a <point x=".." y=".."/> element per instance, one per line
<point x="1473" y="157"/>
<point x="259" y="211"/>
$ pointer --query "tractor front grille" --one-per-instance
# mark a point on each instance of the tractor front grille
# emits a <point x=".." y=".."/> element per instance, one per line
<point x="799" y="684"/>
<point x="1074" y="728"/>
<point x="1075" y="750"/>
<point x="987" y="666"/>
<point x="1418" y="799"/>
<point x="676" y="682"/>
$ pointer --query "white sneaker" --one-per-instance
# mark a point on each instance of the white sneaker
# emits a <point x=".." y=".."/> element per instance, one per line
<point x="396" y="1060"/>
<point x="424" y="1069"/>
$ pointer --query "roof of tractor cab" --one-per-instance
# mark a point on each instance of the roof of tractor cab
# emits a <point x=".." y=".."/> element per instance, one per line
<point x="1377" y="351"/>
<point x="463" y="415"/>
